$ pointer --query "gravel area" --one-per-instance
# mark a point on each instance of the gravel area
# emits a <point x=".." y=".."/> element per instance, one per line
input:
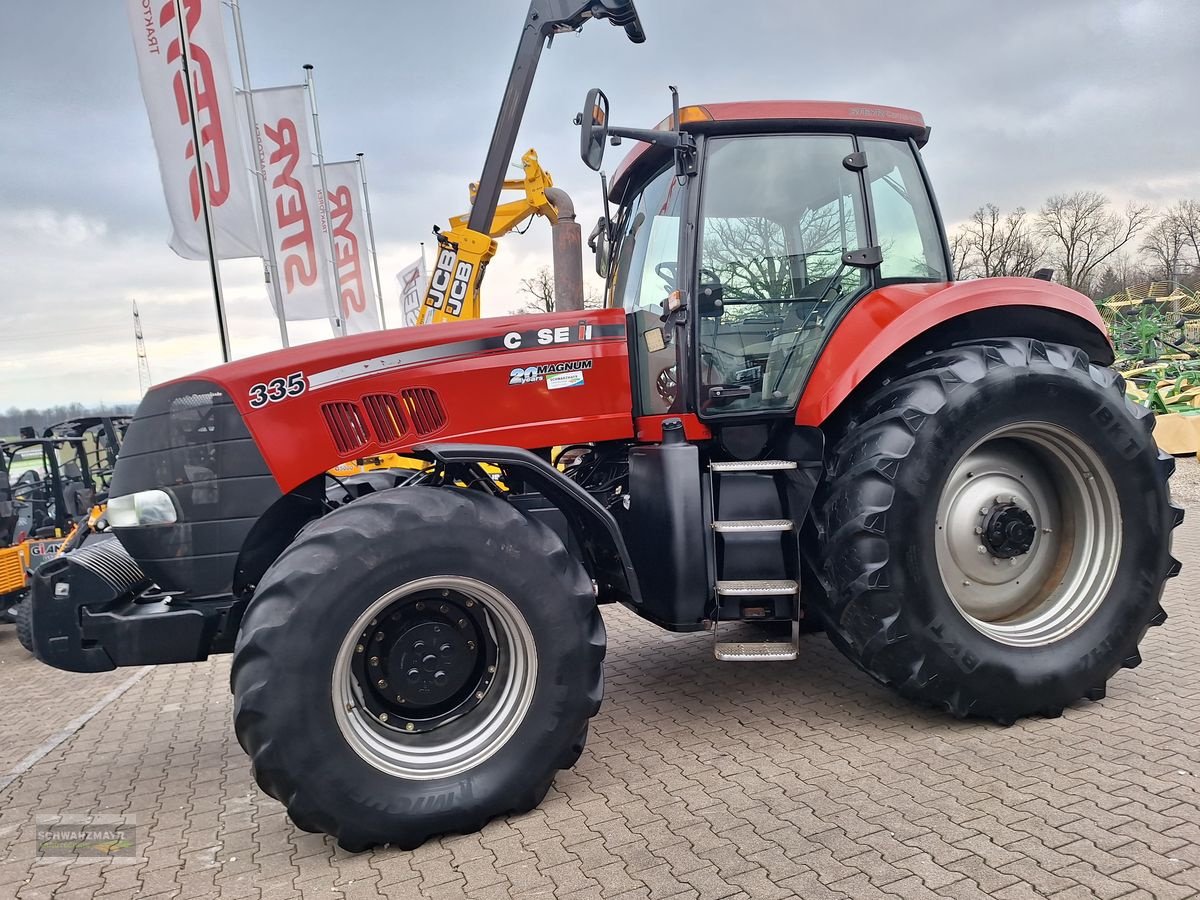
<point x="1185" y="483"/>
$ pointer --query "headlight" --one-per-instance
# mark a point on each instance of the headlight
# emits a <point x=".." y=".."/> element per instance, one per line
<point x="142" y="508"/>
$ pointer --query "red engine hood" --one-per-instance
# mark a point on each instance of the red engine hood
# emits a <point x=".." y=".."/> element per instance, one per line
<point x="525" y="381"/>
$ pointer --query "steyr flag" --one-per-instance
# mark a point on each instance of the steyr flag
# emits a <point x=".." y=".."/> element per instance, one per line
<point x="412" y="281"/>
<point x="294" y="219"/>
<point x="160" y="69"/>
<point x="355" y="289"/>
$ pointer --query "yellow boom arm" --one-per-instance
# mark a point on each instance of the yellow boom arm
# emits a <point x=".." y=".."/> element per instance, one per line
<point x="463" y="254"/>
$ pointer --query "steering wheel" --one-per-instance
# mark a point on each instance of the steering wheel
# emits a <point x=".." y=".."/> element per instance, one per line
<point x="668" y="272"/>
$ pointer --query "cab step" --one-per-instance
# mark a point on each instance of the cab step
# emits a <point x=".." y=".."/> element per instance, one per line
<point x="748" y="526"/>
<point x="758" y="651"/>
<point x="750" y="588"/>
<point x="754" y="465"/>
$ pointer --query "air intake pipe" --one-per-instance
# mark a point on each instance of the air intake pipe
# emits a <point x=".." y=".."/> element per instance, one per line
<point x="568" y="253"/>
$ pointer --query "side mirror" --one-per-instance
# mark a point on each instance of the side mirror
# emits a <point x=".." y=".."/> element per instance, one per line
<point x="593" y="132"/>
<point x="600" y="243"/>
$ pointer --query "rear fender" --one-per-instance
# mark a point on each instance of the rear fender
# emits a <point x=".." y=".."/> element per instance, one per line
<point x="898" y="320"/>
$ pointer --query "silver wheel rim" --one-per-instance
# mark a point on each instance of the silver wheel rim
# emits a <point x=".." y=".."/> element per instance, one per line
<point x="463" y="743"/>
<point x="1028" y="474"/>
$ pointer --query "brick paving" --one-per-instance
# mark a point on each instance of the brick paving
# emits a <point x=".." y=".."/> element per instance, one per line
<point x="700" y="780"/>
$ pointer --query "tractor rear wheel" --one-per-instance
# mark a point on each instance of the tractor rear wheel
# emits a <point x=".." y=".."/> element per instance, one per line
<point x="417" y="662"/>
<point x="996" y="531"/>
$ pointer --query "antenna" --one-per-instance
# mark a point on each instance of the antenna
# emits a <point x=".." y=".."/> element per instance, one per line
<point x="144" y="381"/>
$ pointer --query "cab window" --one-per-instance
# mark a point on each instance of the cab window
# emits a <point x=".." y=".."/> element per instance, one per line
<point x="904" y="219"/>
<point x="648" y="246"/>
<point x="779" y="212"/>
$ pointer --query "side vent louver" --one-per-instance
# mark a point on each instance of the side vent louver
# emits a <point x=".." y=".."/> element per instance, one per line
<point x="386" y="417"/>
<point x="346" y="424"/>
<point x="424" y="409"/>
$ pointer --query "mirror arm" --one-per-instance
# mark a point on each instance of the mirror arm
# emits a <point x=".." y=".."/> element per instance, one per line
<point x="672" y="140"/>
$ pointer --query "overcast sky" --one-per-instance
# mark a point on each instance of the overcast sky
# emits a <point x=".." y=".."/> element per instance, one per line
<point x="1026" y="98"/>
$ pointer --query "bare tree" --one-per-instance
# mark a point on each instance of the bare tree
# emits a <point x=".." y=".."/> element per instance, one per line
<point x="539" y="289"/>
<point x="991" y="245"/>
<point x="1173" y="241"/>
<point x="1083" y="233"/>
<point x="1164" y="245"/>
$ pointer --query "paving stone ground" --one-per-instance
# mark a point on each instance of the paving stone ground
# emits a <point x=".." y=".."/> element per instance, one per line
<point x="700" y="780"/>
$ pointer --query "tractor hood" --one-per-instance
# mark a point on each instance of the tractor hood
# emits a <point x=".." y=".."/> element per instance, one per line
<point x="227" y="443"/>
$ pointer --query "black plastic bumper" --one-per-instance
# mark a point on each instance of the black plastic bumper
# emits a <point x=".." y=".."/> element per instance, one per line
<point x="90" y="613"/>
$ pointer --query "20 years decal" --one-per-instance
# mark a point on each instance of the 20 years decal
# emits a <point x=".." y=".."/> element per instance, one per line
<point x="277" y="389"/>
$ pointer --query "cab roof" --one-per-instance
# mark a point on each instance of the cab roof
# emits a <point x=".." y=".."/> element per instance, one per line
<point x="756" y="116"/>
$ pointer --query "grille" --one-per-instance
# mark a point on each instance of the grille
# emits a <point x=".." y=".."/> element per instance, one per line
<point x="346" y="425"/>
<point x="12" y="571"/>
<point x="425" y="410"/>
<point x="386" y="417"/>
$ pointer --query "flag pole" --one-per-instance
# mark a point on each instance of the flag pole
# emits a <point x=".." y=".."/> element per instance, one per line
<point x="339" y="324"/>
<point x="362" y="171"/>
<point x="260" y="172"/>
<point x="185" y="46"/>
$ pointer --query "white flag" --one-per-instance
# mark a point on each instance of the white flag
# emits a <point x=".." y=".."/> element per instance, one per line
<point x="301" y="246"/>
<point x="160" y="68"/>
<point x="356" y="291"/>
<point x="413" y="281"/>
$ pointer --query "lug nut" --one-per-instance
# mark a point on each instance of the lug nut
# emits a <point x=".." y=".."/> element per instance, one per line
<point x="981" y="549"/>
<point x="381" y="683"/>
<point x="470" y="645"/>
<point x="374" y="660"/>
<point x="420" y="605"/>
<point x="479" y="695"/>
<point x="443" y="608"/>
<point x="379" y="635"/>
<point x="383" y="717"/>
<point x="408" y="726"/>
<point x="399" y="699"/>
<point x="470" y="603"/>
<point x="1047" y="531"/>
<point x="979" y="529"/>
<point x="445" y="593"/>
<point x="358" y="649"/>
<point x="462" y="623"/>
<point x="983" y="510"/>
<point x="491" y="670"/>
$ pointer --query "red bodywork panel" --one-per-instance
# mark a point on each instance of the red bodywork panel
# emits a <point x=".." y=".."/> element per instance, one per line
<point x="887" y="319"/>
<point x="484" y="373"/>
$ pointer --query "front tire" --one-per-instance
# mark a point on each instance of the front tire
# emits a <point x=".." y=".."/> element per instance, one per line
<point x="996" y="532"/>
<point x="417" y="662"/>
<point x="21" y="618"/>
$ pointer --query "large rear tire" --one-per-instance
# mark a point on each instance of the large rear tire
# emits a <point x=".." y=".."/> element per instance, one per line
<point x="417" y="662"/>
<point x="996" y="531"/>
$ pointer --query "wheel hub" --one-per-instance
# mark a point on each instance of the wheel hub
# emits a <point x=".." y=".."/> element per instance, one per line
<point x="1008" y="531"/>
<point x="425" y="661"/>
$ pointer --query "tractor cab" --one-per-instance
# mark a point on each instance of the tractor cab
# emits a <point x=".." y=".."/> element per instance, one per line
<point x="745" y="233"/>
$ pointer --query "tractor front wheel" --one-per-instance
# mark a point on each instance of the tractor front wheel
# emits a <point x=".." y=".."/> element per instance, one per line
<point x="996" y="532"/>
<point x="417" y="662"/>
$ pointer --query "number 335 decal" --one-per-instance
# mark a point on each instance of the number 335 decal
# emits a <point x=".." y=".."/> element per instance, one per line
<point x="277" y="389"/>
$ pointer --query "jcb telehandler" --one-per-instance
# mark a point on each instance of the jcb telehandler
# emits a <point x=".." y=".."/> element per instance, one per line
<point x="789" y="411"/>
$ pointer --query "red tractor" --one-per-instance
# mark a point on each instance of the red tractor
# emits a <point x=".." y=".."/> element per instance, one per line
<point x="789" y="414"/>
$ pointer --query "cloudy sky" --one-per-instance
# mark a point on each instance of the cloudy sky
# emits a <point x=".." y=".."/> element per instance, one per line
<point x="1026" y="97"/>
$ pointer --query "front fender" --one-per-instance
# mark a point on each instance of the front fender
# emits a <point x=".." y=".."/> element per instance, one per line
<point x="886" y="320"/>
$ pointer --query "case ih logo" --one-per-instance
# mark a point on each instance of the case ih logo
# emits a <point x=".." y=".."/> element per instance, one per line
<point x="208" y="109"/>
<point x="349" y="262"/>
<point x="291" y="207"/>
<point x="450" y="282"/>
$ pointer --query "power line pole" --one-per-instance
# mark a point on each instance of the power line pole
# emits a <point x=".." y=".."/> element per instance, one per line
<point x="139" y="340"/>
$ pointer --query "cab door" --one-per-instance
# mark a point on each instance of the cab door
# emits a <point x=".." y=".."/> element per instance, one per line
<point x="777" y="214"/>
